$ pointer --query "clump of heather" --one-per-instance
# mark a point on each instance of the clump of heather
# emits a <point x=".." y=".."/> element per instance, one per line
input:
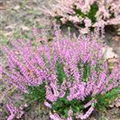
<point x="15" y="112"/>
<point x="86" y="14"/>
<point x="70" y="70"/>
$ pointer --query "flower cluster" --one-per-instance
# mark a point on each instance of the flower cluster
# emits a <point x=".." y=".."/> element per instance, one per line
<point x="86" y="14"/>
<point x="15" y="112"/>
<point x="72" y="69"/>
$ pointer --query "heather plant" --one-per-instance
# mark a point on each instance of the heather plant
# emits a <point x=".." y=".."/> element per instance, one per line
<point x="68" y="74"/>
<point x="86" y="14"/>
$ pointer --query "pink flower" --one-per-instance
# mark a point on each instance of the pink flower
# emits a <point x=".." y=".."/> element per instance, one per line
<point x="90" y="103"/>
<point x="74" y="19"/>
<point x="48" y="104"/>
<point x="87" y="114"/>
<point x="87" y="22"/>
<point x="84" y="30"/>
<point x="69" y="118"/>
<point x="70" y="112"/>
<point x="11" y="117"/>
<point x="55" y="116"/>
<point x="62" y="93"/>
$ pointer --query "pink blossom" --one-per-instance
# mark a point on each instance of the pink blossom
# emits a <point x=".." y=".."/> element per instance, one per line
<point x="55" y="116"/>
<point x="48" y="104"/>
<point x="87" y="114"/>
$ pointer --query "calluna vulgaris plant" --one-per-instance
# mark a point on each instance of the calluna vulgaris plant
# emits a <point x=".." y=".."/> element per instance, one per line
<point x="71" y="71"/>
<point x="86" y="14"/>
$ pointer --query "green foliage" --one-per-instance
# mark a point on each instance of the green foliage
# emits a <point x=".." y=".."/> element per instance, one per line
<point x="112" y="15"/>
<point x="86" y="72"/>
<point x="62" y="106"/>
<point x="61" y="74"/>
<point x="79" y="13"/>
<point x="36" y="93"/>
<point x="105" y="100"/>
<point x="57" y="18"/>
<point x="91" y="14"/>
